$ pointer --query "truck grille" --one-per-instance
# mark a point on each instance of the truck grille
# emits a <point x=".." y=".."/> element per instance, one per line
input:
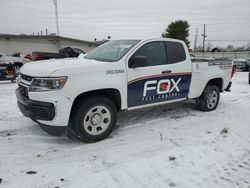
<point x="23" y="90"/>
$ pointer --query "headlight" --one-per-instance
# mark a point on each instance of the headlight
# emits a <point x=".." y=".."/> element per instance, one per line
<point x="47" y="84"/>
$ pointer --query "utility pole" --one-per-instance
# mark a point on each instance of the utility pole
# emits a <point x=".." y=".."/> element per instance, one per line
<point x="57" y="23"/>
<point x="204" y="37"/>
<point x="195" y="39"/>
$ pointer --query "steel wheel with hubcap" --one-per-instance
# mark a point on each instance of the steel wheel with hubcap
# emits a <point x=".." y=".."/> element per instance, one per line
<point x="97" y="120"/>
<point x="94" y="118"/>
<point x="209" y="99"/>
<point x="212" y="99"/>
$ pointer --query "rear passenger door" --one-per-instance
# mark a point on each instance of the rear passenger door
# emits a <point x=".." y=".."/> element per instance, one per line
<point x="166" y="76"/>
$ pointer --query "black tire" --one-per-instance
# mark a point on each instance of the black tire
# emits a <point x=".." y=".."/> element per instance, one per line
<point x="84" y="115"/>
<point x="209" y="99"/>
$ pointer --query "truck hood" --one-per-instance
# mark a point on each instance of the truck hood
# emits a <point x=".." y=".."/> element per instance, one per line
<point x="47" y="67"/>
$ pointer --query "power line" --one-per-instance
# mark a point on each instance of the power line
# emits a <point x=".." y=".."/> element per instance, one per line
<point x="229" y="40"/>
<point x="230" y="23"/>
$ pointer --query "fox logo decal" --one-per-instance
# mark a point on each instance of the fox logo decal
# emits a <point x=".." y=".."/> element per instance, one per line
<point x="162" y="86"/>
<point x="158" y="89"/>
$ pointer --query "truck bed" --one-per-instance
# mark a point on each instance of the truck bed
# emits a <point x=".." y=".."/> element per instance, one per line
<point x="205" y="69"/>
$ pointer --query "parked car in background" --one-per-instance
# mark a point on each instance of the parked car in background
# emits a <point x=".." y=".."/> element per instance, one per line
<point x="63" y="53"/>
<point x="79" y="51"/>
<point x="18" y="61"/>
<point x="7" y="71"/>
<point x="242" y="64"/>
<point x="28" y="56"/>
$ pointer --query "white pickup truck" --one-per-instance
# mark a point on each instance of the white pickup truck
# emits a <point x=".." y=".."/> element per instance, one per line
<point x="81" y="96"/>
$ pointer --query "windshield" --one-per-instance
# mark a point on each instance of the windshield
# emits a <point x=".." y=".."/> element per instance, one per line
<point x="111" y="51"/>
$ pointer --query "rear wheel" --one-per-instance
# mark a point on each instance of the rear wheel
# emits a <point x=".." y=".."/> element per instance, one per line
<point x="209" y="99"/>
<point x="94" y="118"/>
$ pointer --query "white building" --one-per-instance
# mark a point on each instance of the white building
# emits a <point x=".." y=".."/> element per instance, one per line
<point x="25" y="44"/>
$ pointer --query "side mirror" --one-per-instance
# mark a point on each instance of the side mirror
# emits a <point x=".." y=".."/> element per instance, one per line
<point x="138" y="61"/>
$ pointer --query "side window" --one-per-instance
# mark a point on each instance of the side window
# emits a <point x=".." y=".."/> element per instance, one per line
<point x="175" y="52"/>
<point x="155" y="53"/>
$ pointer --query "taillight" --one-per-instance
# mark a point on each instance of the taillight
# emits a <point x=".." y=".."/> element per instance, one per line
<point x="233" y="71"/>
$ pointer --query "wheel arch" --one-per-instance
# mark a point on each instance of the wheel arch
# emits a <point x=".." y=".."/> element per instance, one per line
<point x="113" y="94"/>
<point x="217" y="82"/>
<point x="73" y="130"/>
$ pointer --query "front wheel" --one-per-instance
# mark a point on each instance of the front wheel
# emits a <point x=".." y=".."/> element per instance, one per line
<point x="94" y="118"/>
<point x="209" y="99"/>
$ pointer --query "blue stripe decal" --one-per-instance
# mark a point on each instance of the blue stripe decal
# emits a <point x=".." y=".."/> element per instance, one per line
<point x="158" y="89"/>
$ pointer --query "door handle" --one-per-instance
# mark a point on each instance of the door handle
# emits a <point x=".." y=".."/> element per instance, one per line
<point x="166" y="72"/>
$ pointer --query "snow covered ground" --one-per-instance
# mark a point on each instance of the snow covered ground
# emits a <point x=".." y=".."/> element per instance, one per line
<point x="169" y="146"/>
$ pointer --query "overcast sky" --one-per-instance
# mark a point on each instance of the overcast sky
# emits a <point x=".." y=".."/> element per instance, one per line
<point x="89" y="19"/>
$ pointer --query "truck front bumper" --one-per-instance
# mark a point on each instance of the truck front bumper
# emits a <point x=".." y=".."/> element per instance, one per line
<point x="40" y="111"/>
